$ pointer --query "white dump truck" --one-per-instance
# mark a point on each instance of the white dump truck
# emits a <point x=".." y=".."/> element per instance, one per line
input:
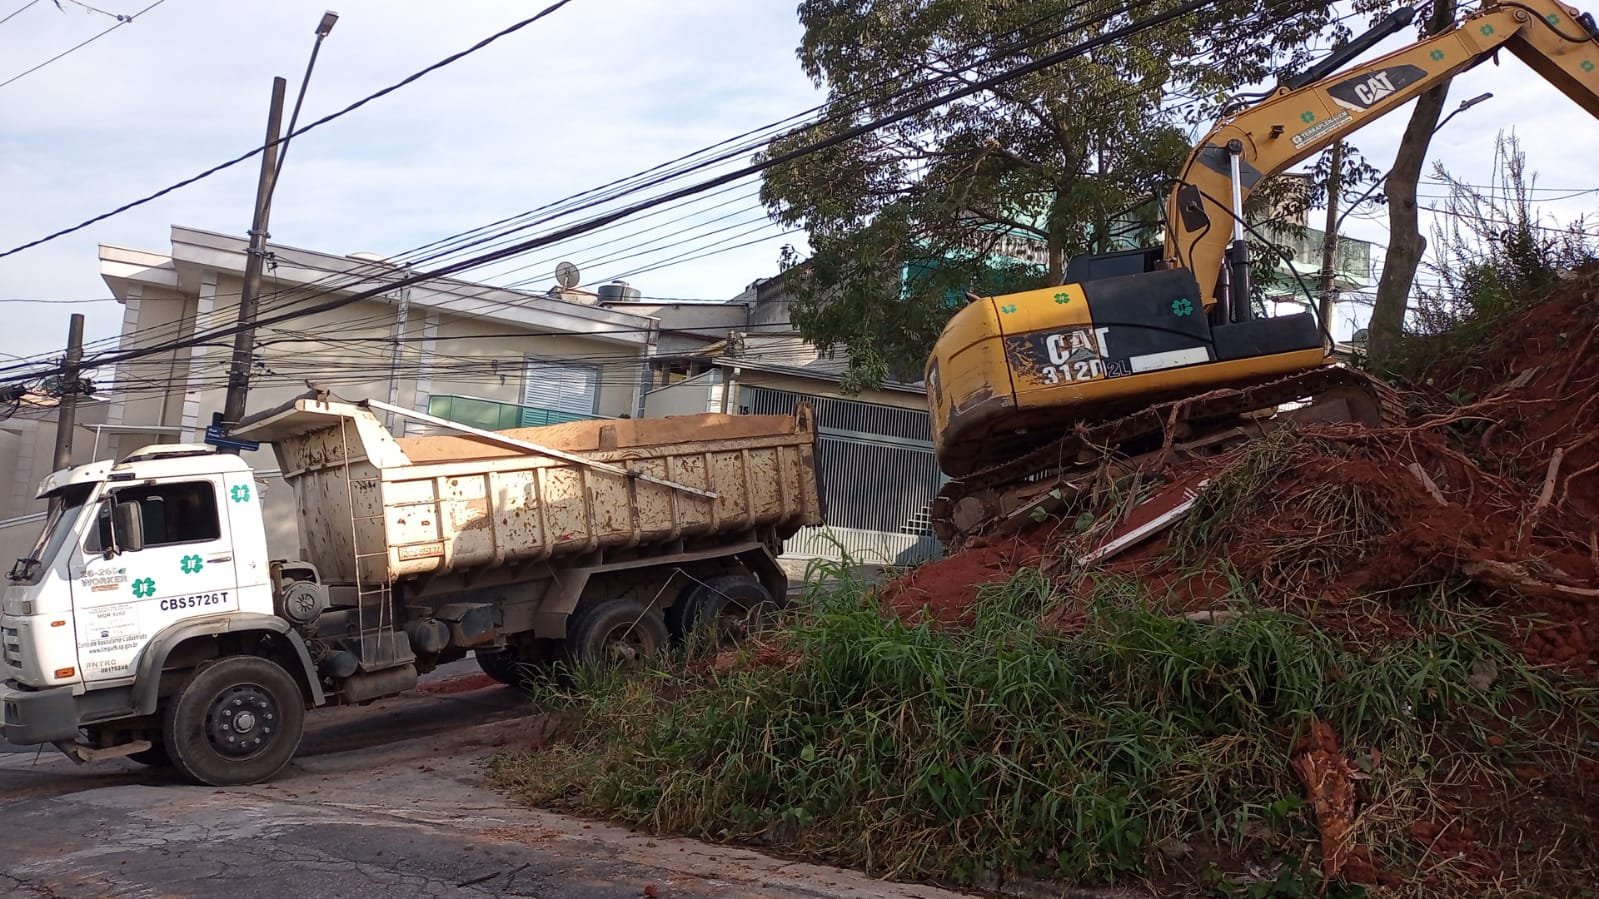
<point x="149" y="621"/>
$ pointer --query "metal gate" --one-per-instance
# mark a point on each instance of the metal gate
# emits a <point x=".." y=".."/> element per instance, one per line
<point x="877" y="474"/>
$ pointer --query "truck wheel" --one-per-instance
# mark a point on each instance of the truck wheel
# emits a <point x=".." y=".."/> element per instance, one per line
<point x="235" y="722"/>
<point x="736" y="604"/>
<point x="614" y="632"/>
<point x="506" y="666"/>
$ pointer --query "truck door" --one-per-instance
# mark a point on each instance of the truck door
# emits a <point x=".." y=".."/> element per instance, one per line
<point x="185" y="570"/>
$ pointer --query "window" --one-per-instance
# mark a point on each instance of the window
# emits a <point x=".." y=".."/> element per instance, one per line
<point x="172" y="513"/>
<point x="568" y="388"/>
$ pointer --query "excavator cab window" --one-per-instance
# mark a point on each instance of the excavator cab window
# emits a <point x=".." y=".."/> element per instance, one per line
<point x="1111" y="265"/>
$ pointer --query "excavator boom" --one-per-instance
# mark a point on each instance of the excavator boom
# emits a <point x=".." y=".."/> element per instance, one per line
<point x="1292" y="123"/>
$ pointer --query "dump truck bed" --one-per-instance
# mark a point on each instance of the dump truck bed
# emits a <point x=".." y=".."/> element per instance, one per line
<point x="375" y="509"/>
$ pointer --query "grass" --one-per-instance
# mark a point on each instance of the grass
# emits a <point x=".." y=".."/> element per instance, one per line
<point x="1141" y="747"/>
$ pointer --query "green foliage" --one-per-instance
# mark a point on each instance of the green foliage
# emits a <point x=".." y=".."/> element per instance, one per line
<point x="904" y="220"/>
<point x="1494" y="255"/>
<point x="1011" y="751"/>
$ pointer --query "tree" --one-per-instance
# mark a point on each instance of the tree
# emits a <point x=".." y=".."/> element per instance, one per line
<point x="1493" y="252"/>
<point x="1405" y="243"/>
<point x="904" y="220"/>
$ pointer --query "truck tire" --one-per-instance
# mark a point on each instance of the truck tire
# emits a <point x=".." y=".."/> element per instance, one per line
<point x="506" y="666"/>
<point x="237" y="721"/>
<point x="614" y="632"/>
<point x="737" y="603"/>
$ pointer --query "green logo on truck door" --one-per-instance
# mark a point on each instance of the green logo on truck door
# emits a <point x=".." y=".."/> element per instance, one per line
<point x="240" y="493"/>
<point x="191" y="564"/>
<point x="144" y="587"/>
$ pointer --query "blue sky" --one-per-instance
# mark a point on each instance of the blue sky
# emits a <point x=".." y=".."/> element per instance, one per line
<point x="599" y="90"/>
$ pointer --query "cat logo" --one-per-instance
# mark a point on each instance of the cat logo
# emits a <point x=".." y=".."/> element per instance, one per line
<point x="1375" y="88"/>
<point x="1367" y="91"/>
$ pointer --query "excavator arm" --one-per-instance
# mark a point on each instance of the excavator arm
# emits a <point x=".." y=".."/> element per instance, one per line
<point x="1294" y="122"/>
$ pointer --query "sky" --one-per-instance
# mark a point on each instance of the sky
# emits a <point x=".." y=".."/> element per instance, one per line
<point x="597" y="91"/>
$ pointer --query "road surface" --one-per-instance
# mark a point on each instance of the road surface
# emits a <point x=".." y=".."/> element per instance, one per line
<point x="382" y="801"/>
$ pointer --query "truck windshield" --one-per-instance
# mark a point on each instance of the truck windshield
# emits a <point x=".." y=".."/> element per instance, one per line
<point x="57" y="527"/>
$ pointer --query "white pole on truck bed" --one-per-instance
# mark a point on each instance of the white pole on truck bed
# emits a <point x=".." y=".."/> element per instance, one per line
<point x="535" y="448"/>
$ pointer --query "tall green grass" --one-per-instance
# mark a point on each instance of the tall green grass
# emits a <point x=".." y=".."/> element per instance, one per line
<point x="1009" y="751"/>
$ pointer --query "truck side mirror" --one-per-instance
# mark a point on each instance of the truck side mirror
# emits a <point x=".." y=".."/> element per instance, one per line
<point x="127" y="527"/>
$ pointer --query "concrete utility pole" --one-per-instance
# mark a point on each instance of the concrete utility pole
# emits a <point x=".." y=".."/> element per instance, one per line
<point x="276" y="145"/>
<point x="67" y="408"/>
<point x="249" y="298"/>
<point x="1327" y="290"/>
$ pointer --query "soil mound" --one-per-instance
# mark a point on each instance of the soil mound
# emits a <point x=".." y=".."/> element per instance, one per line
<point x="1493" y="484"/>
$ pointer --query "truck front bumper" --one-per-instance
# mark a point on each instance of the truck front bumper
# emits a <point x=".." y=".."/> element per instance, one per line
<point x="38" y="716"/>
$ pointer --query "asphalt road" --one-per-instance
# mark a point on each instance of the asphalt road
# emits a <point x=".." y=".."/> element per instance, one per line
<point x="381" y="801"/>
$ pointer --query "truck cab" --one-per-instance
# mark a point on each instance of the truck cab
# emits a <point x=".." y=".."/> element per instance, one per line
<point x="158" y="559"/>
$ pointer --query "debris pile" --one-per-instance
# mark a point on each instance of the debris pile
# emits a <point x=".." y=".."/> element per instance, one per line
<point x="1493" y="483"/>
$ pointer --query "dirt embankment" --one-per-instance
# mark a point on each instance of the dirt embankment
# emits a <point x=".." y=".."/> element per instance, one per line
<point x="1494" y="482"/>
<point x="1488" y="494"/>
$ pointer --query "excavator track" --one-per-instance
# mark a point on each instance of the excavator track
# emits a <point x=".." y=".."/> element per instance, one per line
<point x="989" y="499"/>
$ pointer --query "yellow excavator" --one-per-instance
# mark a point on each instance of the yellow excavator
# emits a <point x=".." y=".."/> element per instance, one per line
<point x="1157" y="349"/>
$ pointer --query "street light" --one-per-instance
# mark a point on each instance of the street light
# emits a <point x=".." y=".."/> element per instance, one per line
<point x="323" y="29"/>
<point x="274" y="150"/>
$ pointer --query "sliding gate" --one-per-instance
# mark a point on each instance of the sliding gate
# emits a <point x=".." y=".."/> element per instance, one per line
<point x="877" y="474"/>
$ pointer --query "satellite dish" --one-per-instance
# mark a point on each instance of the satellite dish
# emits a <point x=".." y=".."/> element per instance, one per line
<point x="566" y="275"/>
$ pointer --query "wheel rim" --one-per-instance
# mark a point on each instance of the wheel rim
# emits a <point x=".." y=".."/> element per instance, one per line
<point x="625" y="645"/>
<point x="242" y="720"/>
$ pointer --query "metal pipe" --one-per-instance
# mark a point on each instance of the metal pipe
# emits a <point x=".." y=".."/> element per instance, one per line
<point x="1238" y="253"/>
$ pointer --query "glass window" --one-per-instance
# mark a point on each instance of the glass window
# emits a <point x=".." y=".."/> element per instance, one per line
<point x="173" y="513"/>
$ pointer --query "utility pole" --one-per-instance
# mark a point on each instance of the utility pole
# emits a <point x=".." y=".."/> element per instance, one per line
<point x="1327" y="290"/>
<point x="67" y="408"/>
<point x="249" y="298"/>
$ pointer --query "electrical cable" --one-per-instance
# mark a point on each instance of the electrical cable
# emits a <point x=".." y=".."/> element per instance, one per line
<point x="1062" y="31"/>
<point x="25" y="7"/>
<point x="120" y="22"/>
<point x="655" y="266"/>
<point x="1016" y="47"/>
<point x="454" y="57"/>
<point x="598" y="221"/>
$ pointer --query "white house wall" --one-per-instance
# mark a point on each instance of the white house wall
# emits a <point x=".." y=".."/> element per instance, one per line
<point x="690" y="396"/>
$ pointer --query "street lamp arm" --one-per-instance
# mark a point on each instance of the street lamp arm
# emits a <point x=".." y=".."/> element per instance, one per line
<point x="283" y="145"/>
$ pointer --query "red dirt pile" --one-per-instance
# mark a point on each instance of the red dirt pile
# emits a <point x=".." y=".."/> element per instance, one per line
<point x="946" y="589"/>
<point x="1495" y="479"/>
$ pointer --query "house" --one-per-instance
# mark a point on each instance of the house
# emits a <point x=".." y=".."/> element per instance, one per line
<point x="468" y="352"/>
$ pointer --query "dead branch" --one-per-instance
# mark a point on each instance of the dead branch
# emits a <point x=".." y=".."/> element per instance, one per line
<point x="1576" y="360"/>
<point x="1516" y="578"/>
<point x="1548" y="490"/>
<point x="1427" y="482"/>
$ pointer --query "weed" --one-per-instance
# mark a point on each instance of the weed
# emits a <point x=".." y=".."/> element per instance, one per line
<point x="914" y="751"/>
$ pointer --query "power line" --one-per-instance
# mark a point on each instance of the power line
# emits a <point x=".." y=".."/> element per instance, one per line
<point x="601" y="220"/>
<point x="60" y="302"/>
<point x="1015" y="48"/>
<point x="593" y="223"/>
<point x="25" y="7"/>
<point x="553" y="7"/>
<point x="121" y="21"/>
